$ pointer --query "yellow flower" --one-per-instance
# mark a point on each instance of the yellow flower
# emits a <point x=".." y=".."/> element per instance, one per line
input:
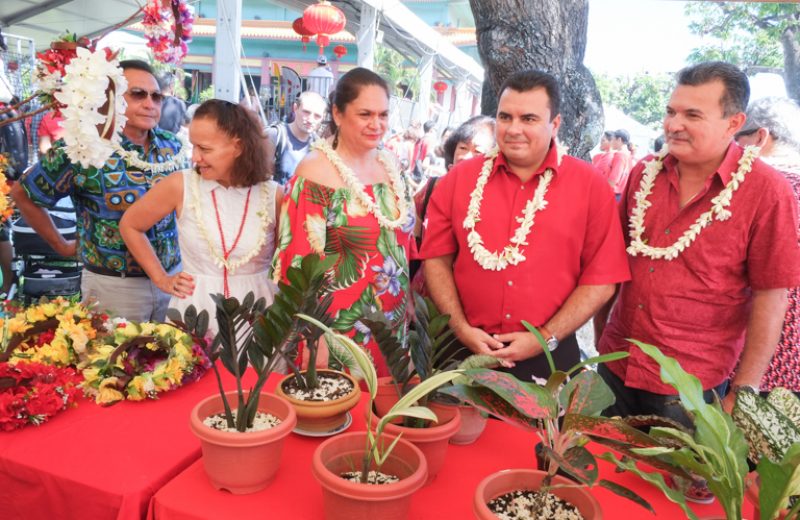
<point x="136" y="391"/>
<point x="130" y="330"/>
<point x="148" y="328"/>
<point x="35" y="314"/>
<point x="108" y="395"/>
<point x="315" y="231"/>
<point x="163" y="330"/>
<point x="18" y="326"/>
<point x="90" y="375"/>
<point x="56" y="353"/>
<point x="183" y="351"/>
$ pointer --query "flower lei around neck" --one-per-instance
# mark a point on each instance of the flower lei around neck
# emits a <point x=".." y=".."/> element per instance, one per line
<point x="140" y="360"/>
<point x="718" y="211"/>
<point x="32" y="393"/>
<point x="6" y="205"/>
<point x="511" y="254"/>
<point x="358" y="189"/>
<point x="265" y="219"/>
<point x="132" y="159"/>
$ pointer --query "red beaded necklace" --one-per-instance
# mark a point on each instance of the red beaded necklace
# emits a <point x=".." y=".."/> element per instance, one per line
<point x="225" y="251"/>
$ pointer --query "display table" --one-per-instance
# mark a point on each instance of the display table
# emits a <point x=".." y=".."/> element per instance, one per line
<point x="295" y="494"/>
<point x="94" y="463"/>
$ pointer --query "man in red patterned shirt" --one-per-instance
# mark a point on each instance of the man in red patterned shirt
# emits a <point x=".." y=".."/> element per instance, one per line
<point x="527" y="235"/>
<point x="712" y="295"/>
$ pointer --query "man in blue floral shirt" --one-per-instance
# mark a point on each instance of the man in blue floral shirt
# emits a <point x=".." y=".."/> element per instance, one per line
<point x="111" y="276"/>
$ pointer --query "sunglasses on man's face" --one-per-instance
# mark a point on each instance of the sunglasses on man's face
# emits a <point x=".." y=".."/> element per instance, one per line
<point x="138" y="94"/>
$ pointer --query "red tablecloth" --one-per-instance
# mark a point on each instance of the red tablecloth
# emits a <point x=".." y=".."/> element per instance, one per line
<point x="94" y="463"/>
<point x="295" y="495"/>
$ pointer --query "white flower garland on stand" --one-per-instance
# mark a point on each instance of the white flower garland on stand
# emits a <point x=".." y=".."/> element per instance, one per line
<point x="352" y="182"/>
<point x="511" y="254"/>
<point x="132" y="159"/>
<point x="718" y="211"/>
<point x="85" y="84"/>
<point x="216" y="252"/>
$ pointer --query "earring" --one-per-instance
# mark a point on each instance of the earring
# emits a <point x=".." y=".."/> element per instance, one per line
<point x="335" y="139"/>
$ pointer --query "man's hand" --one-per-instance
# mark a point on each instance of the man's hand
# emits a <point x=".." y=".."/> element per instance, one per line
<point x="68" y="248"/>
<point x="520" y="346"/>
<point x="478" y="341"/>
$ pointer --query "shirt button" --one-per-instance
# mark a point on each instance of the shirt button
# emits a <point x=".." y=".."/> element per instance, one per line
<point x="641" y="306"/>
<point x="652" y="269"/>
<point x="666" y="231"/>
<point x="510" y="283"/>
<point x="522" y="187"/>
<point x="508" y="316"/>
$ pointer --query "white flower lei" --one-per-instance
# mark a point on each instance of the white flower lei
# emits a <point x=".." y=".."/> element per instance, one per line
<point x="511" y="254"/>
<point x="357" y="188"/>
<point x="219" y="260"/>
<point x="132" y="159"/>
<point x="84" y="92"/>
<point x="718" y="209"/>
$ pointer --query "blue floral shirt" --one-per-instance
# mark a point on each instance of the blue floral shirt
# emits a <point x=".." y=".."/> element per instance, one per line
<point x="102" y="195"/>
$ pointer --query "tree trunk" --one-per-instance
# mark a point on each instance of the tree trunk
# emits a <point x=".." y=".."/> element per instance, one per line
<point x="514" y="35"/>
<point x="791" y="61"/>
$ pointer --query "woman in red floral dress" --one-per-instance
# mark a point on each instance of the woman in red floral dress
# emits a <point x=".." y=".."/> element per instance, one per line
<point x="348" y="198"/>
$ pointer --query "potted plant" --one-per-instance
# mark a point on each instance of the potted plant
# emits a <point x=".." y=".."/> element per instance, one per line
<point x="235" y="457"/>
<point x="372" y="474"/>
<point x="321" y="398"/>
<point x="428" y="353"/>
<point x="716" y="450"/>
<point x="771" y="427"/>
<point x="561" y="412"/>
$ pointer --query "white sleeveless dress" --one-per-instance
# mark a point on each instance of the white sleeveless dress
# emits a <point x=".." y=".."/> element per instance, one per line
<point x="201" y="246"/>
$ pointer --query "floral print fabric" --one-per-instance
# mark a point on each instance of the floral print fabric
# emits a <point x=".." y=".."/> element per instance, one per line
<point x="371" y="273"/>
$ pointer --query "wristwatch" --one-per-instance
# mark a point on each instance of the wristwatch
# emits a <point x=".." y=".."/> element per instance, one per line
<point x="735" y="388"/>
<point x="549" y="338"/>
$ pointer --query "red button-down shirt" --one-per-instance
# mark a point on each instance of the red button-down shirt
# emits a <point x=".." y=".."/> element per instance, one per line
<point x="575" y="240"/>
<point x="695" y="307"/>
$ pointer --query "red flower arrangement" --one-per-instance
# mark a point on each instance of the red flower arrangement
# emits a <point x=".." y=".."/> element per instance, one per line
<point x="32" y="393"/>
<point x="168" y="29"/>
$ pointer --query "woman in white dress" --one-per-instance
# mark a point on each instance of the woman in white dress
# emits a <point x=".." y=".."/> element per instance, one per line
<point x="226" y="212"/>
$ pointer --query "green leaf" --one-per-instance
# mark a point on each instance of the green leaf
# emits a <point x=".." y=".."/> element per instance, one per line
<point x="528" y="398"/>
<point x="586" y="394"/>
<point x="778" y="482"/>
<point x="577" y="461"/>
<point x="542" y="343"/>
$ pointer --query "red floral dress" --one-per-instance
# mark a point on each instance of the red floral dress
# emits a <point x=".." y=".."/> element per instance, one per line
<point x="784" y="369"/>
<point x="372" y="270"/>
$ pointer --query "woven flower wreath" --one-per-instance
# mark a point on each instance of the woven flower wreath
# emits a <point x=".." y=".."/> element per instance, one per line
<point x="32" y="393"/>
<point x="168" y="29"/>
<point x="140" y="360"/>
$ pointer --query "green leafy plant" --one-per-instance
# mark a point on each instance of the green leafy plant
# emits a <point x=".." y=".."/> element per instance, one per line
<point x="772" y="429"/>
<point x="428" y="350"/>
<point x="376" y="450"/>
<point x="252" y="334"/>
<point x="576" y="396"/>
<point x="716" y="451"/>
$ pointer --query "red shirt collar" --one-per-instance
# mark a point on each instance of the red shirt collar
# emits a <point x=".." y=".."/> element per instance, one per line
<point x="729" y="164"/>
<point x="550" y="161"/>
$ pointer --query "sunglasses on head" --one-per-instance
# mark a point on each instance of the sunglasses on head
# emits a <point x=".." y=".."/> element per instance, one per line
<point x="139" y="94"/>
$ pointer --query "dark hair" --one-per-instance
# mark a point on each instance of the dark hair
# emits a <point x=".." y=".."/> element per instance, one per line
<point x="624" y="135"/>
<point x="349" y="87"/>
<point x="527" y="80"/>
<point x="608" y="134"/>
<point x="166" y="81"/>
<point x="138" y="65"/>
<point x="737" y="87"/>
<point x="464" y="134"/>
<point x="658" y="144"/>
<point x="239" y="123"/>
<point x="426" y="127"/>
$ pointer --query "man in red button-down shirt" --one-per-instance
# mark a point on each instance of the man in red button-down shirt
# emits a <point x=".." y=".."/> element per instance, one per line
<point x="721" y="300"/>
<point x="566" y="264"/>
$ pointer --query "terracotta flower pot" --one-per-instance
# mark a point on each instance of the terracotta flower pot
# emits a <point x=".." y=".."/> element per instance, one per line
<point x="345" y="500"/>
<point x="386" y="396"/>
<point x="242" y="462"/>
<point x="473" y="422"/>
<point x="322" y="416"/>
<point x="509" y="480"/>
<point x="433" y="440"/>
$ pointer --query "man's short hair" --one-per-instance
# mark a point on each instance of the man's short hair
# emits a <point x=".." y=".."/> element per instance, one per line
<point x="428" y="125"/>
<point x="137" y="65"/>
<point x="310" y="94"/>
<point x="624" y="135"/>
<point x="530" y="79"/>
<point x="779" y="115"/>
<point x="737" y="87"/>
<point x="166" y="81"/>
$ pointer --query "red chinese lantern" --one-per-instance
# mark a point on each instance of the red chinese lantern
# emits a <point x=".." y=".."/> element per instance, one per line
<point x="439" y="87"/>
<point x="339" y="51"/>
<point x="323" y="19"/>
<point x="305" y="34"/>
